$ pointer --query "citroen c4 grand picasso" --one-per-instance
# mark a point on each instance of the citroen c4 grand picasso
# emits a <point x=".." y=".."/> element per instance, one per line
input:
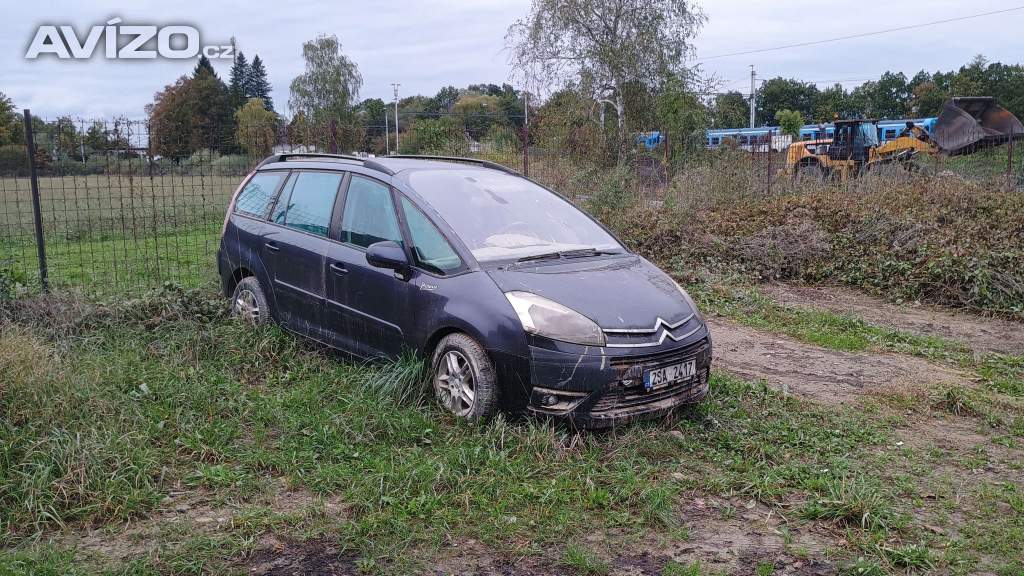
<point x="520" y="301"/>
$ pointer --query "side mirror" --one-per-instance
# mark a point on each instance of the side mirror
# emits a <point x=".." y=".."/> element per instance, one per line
<point x="387" y="254"/>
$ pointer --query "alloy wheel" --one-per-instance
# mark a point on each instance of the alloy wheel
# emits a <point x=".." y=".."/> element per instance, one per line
<point x="454" y="383"/>
<point x="247" y="306"/>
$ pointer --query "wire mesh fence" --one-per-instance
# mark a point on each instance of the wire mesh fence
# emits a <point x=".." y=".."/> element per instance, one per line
<point x="125" y="206"/>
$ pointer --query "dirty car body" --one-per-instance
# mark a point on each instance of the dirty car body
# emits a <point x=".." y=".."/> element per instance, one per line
<point x="377" y="256"/>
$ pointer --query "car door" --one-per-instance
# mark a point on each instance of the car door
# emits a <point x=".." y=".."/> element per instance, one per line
<point x="296" y="246"/>
<point x="367" y="308"/>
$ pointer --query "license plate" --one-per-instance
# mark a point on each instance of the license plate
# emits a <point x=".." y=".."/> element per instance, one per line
<point x="658" y="377"/>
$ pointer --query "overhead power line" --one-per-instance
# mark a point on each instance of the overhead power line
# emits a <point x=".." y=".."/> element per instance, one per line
<point x="860" y="35"/>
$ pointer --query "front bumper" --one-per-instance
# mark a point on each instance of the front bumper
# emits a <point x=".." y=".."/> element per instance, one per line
<point x="603" y="387"/>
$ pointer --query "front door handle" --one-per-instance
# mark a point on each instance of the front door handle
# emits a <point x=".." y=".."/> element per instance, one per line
<point x="339" y="268"/>
<point x="272" y="246"/>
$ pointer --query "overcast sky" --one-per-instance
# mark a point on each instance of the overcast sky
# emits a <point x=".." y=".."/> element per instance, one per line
<point x="426" y="44"/>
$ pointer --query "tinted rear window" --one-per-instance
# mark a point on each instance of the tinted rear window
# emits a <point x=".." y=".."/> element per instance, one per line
<point x="257" y="194"/>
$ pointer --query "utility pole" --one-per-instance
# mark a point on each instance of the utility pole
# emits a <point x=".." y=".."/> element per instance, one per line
<point x="395" y="86"/>
<point x="387" y="134"/>
<point x="753" y="95"/>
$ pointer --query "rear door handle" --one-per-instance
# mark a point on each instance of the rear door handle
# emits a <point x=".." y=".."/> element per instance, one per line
<point x="272" y="246"/>
<point x="338" y="268"/>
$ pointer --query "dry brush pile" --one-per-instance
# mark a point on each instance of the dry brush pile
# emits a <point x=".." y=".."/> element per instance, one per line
<point x="941" y="239"/>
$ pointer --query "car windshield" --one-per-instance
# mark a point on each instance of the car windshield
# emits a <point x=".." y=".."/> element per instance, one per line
<point x="503" y="217"/>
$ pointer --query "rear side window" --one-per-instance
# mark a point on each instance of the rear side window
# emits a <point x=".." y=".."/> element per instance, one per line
<point x="369" y="214"/>
<point x="307" y="202"/>
<point x="257" y="194"/>
<point x="432" y="251"/>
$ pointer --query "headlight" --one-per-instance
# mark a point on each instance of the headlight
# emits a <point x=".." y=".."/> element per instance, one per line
<point x="550" y="319"/>
<point x="686" y="296"/>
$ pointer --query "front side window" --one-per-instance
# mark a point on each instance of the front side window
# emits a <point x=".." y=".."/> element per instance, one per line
<point x="432" y="251"/>
<point x="257" y="194"/>
<point x="369" y="214"/>
<point x="500" y="216"/>
<point x="307" y="202"/>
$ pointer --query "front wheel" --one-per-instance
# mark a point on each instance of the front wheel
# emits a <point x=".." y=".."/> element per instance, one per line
<point x="249" y="303"/>
<point x="464" y="379"/>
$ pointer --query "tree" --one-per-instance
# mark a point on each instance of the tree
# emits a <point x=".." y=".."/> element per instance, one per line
<point x="444" y="100"/>
<point x="8" y="120"/>
<point x="372" y="112"/>
<point x="212" y="113"/>
<point x="565" y="123"/>
<point x="169" y="118"/>
<point x="611" y="42"/>
<point x="257" y="127"/>
<point x="680" y="111"/>
<point x="441" y="135"/>
<point x="258" y="84"/>
<point x="730" y="110"/>
<point x="204" y="65"/>
<point x="479" y="112"/>
<point x="330" y="83"/>
<point x="888" y="97"/>
<point x="790" y="122"/>
<point x="832" y="102"/>
<point x="192" y="114"/>
<point x="927" y="100"/>
<point x="238" y="82"/>
<point x="785" y="94"/>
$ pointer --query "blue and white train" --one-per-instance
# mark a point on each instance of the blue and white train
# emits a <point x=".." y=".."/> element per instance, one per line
<point x="758" y="138"/>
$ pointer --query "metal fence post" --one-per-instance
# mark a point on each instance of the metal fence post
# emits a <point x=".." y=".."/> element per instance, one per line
<point x="37" y="213"/>
<point x="526" y="134"/>
<point x="1009" y="161"/>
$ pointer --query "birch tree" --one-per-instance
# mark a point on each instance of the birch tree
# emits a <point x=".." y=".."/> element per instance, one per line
<point x="610" y="43"/>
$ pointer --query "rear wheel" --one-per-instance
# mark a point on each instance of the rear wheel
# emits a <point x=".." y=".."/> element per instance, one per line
<point x="807" y="173"/>
<point x="249" y="302"/>
<point x="464" y="379"/>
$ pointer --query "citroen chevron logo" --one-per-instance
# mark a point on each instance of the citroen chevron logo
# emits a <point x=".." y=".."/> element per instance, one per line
<point x="659" y="325"/>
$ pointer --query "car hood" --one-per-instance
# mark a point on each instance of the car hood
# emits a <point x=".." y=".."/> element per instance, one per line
<point x="625" y="292"/>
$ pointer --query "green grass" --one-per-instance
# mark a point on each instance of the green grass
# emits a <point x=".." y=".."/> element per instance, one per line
<point x="584" y="562"/>
<point x="103" y="418"/>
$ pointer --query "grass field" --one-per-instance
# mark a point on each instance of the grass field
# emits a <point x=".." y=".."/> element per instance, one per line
<point x="156" y="436"/>
<point x="167" y="409"/>
<point x="116" y="235"/>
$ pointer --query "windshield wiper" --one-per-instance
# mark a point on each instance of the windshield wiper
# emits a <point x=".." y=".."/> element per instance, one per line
<point x="544" y="256"/>
<point x="578" y="253"/>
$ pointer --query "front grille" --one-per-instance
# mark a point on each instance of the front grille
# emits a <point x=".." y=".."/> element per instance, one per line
<point x="658" y="359"/>
<point x="618" y="397"/>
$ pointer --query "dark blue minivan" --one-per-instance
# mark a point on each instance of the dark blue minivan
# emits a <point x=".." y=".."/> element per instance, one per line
<point x="519" y="300"/>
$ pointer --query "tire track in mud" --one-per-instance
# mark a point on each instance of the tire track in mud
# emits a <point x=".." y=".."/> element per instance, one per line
<point x="820" y="374"/>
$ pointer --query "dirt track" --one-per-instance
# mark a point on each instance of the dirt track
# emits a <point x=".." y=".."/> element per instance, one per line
<point x="816" y="373"/>
<point x="975" y="332"/>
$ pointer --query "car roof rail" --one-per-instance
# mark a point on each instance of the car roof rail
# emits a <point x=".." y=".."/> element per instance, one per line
<point x="285" y="156"/>
<point x="477" y="161"/>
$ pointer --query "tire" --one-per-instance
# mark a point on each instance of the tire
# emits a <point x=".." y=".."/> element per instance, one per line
<point x="810" y="173"/>
<point x="249" y="302"/>
<point x="476" y="382"/>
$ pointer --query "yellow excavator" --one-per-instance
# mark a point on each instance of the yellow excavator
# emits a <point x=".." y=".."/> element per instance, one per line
<point x="964" y="126"/>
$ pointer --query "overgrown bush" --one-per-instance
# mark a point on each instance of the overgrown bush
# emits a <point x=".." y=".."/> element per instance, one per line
<point x="13" y="160"/>
<point x="938" y="239"/>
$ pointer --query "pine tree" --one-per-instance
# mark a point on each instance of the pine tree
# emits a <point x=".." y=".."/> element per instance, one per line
<point x="240" y="74"/>
<point x="258" y="85"/>
<point x="204" y="64"/>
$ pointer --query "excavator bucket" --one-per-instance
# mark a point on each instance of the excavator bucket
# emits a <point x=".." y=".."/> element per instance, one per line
<point x="967" y="124"/>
